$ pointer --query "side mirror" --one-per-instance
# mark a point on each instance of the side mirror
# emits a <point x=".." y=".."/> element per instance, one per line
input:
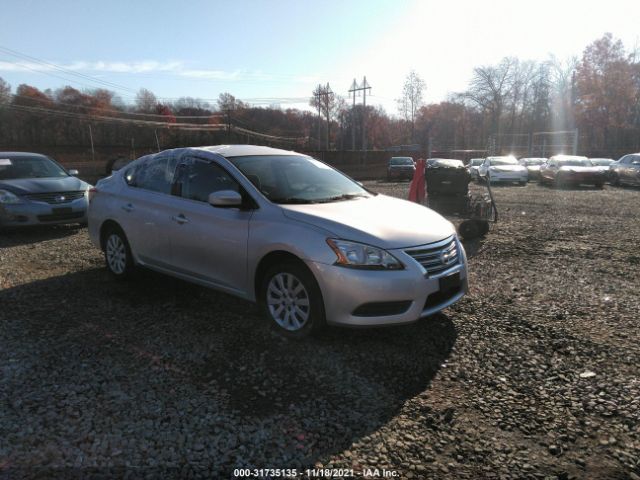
<point x="225" y="199"/>
<point x="74" y="172"/>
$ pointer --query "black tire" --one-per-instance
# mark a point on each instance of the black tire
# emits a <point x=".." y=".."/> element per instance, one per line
<point x="469" y="229"/>
<point x="615" y="180"/>
<point x="599" y="186"/>
<point x="522" y="184"/>
<point x="299" y="326"/>
<point x="483" y="227"/>
<point x="117" y="253"/>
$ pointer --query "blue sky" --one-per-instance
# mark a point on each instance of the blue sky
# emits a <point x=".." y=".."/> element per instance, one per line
<point x="282" y="49"/>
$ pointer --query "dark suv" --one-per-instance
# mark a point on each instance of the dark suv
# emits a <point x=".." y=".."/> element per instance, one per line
<point x="400" y="168"/>
<point x="626" y="170"/>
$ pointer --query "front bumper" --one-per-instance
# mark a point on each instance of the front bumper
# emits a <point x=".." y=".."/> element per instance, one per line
<point x="509" y="177"/>
<point x="582" y="178"/>
<point x="345" y="290"/>
<point x="30" y="213"/>
<point x="400" y="173"/>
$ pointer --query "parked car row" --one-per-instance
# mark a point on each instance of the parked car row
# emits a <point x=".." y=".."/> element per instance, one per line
<point x="558" y="170"/>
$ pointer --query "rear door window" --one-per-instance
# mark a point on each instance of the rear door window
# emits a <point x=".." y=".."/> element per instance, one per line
<point x="156" y="174"/>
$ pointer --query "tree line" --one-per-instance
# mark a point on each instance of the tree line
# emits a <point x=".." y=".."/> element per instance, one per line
<point x="598" y="94"/>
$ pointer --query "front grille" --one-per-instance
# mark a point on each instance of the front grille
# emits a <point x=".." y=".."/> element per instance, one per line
<point x="55" y="197"/>
<point x="436" y="257"/>
<point x="57" y="217"/>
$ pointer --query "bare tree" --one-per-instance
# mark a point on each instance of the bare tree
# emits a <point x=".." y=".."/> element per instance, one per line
<point x="227" y="102"/>
<point x="146" y="101"/>
<point x="490" y="88"/>
<point x="411" y="99"/>
<point x="5" y="92"/>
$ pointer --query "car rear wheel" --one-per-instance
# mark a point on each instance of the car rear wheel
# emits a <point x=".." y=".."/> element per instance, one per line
<point x="117" y="253"/>
<point x="292" y="300"/>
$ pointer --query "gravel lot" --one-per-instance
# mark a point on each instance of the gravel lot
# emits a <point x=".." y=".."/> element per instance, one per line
<point x="535" y="374"/>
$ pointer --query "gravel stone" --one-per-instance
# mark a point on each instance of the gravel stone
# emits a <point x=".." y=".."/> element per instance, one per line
<point x="156" y="378"/>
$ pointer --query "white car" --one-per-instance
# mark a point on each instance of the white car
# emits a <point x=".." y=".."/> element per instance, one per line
<point x="504" y="169"/>
<point x="473" y="166"/>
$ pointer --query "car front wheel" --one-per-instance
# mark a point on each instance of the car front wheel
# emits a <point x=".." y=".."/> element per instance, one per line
<point x="117" y="253"/>
<point x="292" y="301"/>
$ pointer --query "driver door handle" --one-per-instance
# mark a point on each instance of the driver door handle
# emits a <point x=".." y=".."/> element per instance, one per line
<point x="127" y="208"/>
<point x="181" y="219"/>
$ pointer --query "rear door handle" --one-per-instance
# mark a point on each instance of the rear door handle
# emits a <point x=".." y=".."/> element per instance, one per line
<point x="181" y="219"/>
<point x="127" y="208"/>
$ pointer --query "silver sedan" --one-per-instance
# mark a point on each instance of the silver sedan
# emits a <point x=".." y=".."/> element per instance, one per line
<point x="306" y="242"/>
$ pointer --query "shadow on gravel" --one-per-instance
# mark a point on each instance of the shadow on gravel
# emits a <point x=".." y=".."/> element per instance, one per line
<point x="324" y="392"/>
<point x="13" y="237"/>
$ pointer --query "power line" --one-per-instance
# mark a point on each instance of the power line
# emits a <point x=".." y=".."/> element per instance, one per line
<point x="65" y="70"/>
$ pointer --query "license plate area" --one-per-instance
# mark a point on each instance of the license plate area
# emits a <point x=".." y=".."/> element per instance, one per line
<point x="450" y="282"/>
<point x="61" y="210"/>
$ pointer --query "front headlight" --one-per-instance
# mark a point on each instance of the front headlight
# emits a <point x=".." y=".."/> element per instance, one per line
<point x="8" y="198"/>
<point x="360" y="255"/>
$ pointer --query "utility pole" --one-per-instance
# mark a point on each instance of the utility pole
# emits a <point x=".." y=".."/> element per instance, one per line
<point x="318" y="94"/>
<point x="362" y="88"/>
<point x="93" y="153"/>
<point x="228" y="111"/>
<point x="353" y="89"/>
<point x="323" y="95"/>
<point x="365" y="86"/>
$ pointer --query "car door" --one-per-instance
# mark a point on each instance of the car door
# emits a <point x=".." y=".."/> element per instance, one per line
<point x="634" y="170"/>
<point x="144" y="209"/>
<point x="209" y="243"/>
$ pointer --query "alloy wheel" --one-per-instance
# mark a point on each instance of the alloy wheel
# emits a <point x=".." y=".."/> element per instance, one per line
<point x="288" y="301"/>
<point x="116" y="253"/>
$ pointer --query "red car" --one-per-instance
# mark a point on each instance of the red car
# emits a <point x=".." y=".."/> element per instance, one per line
<point x="570" y="170"/>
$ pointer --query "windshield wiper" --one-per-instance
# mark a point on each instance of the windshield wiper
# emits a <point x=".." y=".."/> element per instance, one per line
<point x="346" y="196"/>
<point x="292" y="200"/>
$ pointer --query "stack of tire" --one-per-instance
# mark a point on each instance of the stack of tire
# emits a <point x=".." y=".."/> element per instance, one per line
<point x="447" y="188"/>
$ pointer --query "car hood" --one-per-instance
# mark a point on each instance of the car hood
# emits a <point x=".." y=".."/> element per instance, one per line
<point x="23" y="186"/>
<point x="580" y="169"/>
<point x="533" y="168"/>
<point x="381" y="221"/>
<point x="507" y="168"/>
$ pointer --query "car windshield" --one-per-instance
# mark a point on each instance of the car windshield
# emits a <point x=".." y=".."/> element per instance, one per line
<point x="297" y="179"/>
<point x="447" y="163"/>
<point x="601" y="162"/>
<point x="401" y="161"/>
<point x="13" y="168"/>
<point x="502" y="161"/>
<point x="476" y="162"/>
<point x="575" y="162"/>
<point x="533" y="161"/>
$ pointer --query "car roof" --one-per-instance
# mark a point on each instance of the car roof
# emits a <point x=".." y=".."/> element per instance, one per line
<point x="568" y="157"/>
<point x="21" y="154"/>
<point x="246" y="150"/>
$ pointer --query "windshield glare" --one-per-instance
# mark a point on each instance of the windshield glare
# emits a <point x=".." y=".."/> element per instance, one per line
<point x="297" y="179"/>
<point x="601" y="162"/>
<point x="575" y="163"/>
<point x="14" y="168"/>
<point x="503" y="161"/>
